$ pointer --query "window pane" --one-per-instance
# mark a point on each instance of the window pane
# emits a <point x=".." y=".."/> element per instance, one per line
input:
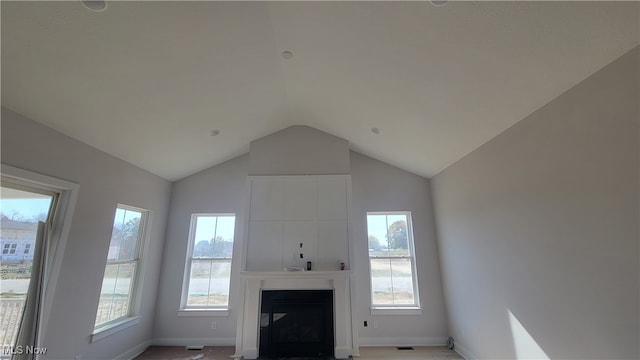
<point x="402" y="282"/>
<point x="116" y="292"/>
<point x="225" y="233"/>
<point x="377" y="235"/>
<point x="125" y="235"/>
<point x="209" y="283"/>
<point x="199" y="282"/>
<point x="398" y="235"/>
<point x="205" y="232"/>
<point x="20" y="210"/>
<point x="381" y="286"/>
<point x="214" y="236"/>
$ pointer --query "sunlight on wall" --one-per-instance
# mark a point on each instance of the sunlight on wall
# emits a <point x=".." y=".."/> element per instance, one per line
<point x="526" y="347"/>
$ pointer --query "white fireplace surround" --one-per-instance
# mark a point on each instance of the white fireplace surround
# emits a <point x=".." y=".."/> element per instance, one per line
<point x="253" y="282"/>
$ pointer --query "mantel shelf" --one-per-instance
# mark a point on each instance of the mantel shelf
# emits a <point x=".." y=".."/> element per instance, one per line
<point x="295" y="274"/>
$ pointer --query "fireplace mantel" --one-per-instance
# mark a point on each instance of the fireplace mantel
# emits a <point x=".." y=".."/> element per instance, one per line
<point x="253" y="282"/>
<point x="313" y="274"/>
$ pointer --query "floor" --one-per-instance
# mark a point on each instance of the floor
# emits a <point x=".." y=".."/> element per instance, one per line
<point x="366" y="353"/>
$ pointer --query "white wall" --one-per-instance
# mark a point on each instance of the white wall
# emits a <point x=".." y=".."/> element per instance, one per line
<point x="296" y="219"/>
<point x="221" y="188"/>
<point x="538" y="229"/>
<point x="104" y="181"/>
<point x="377" y="186"/>
<point x="299" y="150"/>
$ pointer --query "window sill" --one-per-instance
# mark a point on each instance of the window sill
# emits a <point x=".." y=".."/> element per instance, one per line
<point x="203" y="312"/>
<point x="396" y="311"/>
<point x="116" y="327"/>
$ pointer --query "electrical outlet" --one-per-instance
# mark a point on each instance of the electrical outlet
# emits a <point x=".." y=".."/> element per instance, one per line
<point x="213" y="325"/>
<point x="375" y="324"/>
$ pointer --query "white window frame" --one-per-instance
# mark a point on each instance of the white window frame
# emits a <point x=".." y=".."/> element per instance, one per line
<point x="215" y="310"/>
<point x="62" y="218"/>
<point x="397" y="309"/>
<point x="131" y="318"/>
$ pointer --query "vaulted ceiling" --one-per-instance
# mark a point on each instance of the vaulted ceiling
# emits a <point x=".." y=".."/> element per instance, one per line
<point x="148" y="81"/>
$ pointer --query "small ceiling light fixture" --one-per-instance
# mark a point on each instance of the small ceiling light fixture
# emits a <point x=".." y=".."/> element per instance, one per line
<point x="375" y="130"/>
<point x="287" y="54"/>
<point x="439" y="2"/>
<point x="95" y="5"/>
<point x="214" y="132"/>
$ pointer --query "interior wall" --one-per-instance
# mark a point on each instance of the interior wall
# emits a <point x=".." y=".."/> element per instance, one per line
<point x="104" y="182"/>
<point x="538" y="229"/>
<point x="377" y="186"/>
<point x="220" y="189"/>
<point x="299" y="150"/>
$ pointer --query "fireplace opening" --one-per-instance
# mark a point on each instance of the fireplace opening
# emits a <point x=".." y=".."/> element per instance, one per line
<point x="296" y="323"/>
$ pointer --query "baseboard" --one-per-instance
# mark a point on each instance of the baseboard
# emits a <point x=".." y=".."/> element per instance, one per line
<point x="194" y="341"/>
<point x="404" y="341"/>
<point x="464" y="352"/>
<point x="133" y="352"/>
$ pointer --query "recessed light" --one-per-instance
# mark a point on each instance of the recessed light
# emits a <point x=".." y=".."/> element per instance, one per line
<point x="214" y="132"/>
<point x="287" y="54"/>
<point x="439" y="2"/>
<point x="95" y="5"/>
<point x="375" y="130"/>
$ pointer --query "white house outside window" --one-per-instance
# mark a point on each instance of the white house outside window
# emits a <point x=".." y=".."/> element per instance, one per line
<point x="123" y="263"/>
<point x="392" y="260"/>
<point x="208" y="266"/>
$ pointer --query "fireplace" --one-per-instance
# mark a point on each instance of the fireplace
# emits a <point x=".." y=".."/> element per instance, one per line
<point x="296" y="323"/>
<point x="333" y="287"/>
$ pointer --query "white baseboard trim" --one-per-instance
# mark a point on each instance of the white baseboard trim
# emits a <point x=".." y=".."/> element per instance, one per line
<point x="464" y="352"/>
<point x="404" y="341"/>
<point x="343" y="352"/>
<point x="194" y="341"/>
<point x="133" y="352"/>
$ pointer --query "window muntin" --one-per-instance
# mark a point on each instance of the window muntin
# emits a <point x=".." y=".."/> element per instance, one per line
<point x="392" y="260"/>
<point x="208" y="267"/>
<point x="123" y="261"/>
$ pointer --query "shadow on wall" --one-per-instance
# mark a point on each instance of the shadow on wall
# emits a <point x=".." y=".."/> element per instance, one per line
<point x="524" y="344"/>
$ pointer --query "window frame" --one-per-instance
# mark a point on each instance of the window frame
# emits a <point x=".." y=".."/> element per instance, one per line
<point x="60" y="218"/>
<point x="389" y="309"/>
<point x="109" y="327"/>
<point x="211" y="310"/>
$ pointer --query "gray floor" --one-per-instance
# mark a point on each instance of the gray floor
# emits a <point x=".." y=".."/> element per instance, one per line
<point x="366" y="353"/>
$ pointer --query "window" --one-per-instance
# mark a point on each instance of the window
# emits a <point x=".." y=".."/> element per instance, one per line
<point x="27" y="248"/>
<point x="391" y="260"/>
<point x="5" y="250"/>
<point x="208" y="266"/>
<point x="13" y="248"/>
<point x="123" y="262"/>
<point x="59" y="215"/>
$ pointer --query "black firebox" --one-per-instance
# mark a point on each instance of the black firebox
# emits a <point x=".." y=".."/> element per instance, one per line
<point x="296" y="324"/>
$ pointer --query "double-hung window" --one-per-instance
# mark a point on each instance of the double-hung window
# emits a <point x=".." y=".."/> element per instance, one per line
<point x="123" y="263"/>
<point x="208" y="265"/>
<point x="392" y="261"/>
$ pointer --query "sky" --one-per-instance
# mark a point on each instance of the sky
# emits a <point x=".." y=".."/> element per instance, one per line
<point x="27" y="207"/>
<point x="208" y="227"/>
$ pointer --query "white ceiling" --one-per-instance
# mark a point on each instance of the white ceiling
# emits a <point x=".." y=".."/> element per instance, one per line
<point x="147" y="81"/>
